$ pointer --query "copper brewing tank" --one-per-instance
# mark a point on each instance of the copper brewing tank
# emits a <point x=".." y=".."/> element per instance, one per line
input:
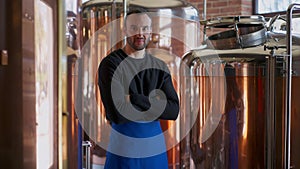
<point x="233" y="98"/>
<point x="175" y="26"/>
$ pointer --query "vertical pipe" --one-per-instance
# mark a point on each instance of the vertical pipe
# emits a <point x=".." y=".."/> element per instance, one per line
<point x="86" y="146"/>
<point x="287" y="115"/>
<point x="62" y="72"/>
<point x="270" y="133"/>
<point x="125" y="8"/>
<point x="204" y="9"/>
<point x="113" y="18"/>
<point x="88" y="157"/>
<point x="204" y="19"/>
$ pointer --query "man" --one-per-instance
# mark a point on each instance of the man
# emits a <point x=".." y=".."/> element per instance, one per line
<point x="136" y="89"/>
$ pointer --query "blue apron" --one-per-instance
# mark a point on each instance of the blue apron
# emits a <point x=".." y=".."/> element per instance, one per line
<point x="135" y="145"/>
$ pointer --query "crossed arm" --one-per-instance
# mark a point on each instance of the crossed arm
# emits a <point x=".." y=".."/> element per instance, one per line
<point x="122" y="107"/>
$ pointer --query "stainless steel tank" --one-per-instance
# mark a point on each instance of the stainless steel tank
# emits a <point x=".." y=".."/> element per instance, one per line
<point x="233" y="97"/>
<point x="175" y="30"/>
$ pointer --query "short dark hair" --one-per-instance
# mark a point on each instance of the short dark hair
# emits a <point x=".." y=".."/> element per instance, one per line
<point x="136" y="10"/>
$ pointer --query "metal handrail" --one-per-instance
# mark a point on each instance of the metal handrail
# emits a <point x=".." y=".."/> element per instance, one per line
<point x="287" y="116"/>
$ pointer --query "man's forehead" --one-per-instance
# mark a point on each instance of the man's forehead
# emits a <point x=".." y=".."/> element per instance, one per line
<point x="139" y="19"/>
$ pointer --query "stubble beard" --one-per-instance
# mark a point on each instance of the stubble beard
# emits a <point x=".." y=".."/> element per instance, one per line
<point x="135" y="47"/>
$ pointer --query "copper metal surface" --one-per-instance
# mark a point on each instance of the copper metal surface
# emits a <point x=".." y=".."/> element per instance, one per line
<point x="260" y="125"/>
<point x="210" y="84"/>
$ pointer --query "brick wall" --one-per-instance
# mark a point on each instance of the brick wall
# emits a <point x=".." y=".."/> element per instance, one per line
<point x="224" y="7"/>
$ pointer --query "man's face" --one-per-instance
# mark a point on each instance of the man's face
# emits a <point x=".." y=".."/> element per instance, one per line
<point x="138" y="30"/>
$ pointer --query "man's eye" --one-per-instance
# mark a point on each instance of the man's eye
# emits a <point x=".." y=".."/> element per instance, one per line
<point x="146" y="28"/>
<point x="133" y="28"/>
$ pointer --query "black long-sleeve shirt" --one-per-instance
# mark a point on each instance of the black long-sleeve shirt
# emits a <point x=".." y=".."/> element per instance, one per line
<point x="121" y="77"/>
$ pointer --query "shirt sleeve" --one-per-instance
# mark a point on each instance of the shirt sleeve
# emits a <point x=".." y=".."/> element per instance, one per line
<point x="165" y="98"/>
<point x="105" y="73"/>
<point x="171" y="110"/>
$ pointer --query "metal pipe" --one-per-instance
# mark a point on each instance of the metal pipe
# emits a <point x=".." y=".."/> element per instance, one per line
<point x="113" y="18"/>
<point x="270" y="134"/>
<point x="204" y="9"/>
<point x="287" y="116"/>
<point x="87" y="149"/>
<point x="125" y="7"/>
<point x="204" y="19"/>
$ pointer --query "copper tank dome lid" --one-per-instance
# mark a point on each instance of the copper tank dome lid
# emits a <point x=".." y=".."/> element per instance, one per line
<point x="143" y="3"/>
<point x="179" y="8"/>
<point x="244" y="32"/>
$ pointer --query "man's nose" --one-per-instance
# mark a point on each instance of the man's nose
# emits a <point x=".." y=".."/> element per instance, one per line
<point x="141" y="31"/>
